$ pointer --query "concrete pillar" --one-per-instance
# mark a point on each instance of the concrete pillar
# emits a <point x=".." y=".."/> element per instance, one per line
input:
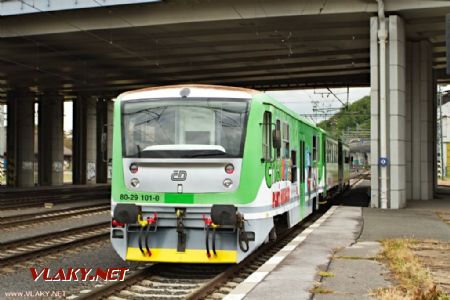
<point x="420" y="111"/>
<point x="110" y="135"/>
<point x="395" y="113"/>
<point x="20" y="138"/>
<point x="434" y="135"/>
<point x="51" y="140"/>
<point x="2" y="129"/>
<point x="409" y="124"/>
<point x="102" y="140"/>
<point x="79" y="140"/>
<point x="91" y="140"/>
<point x="85" y="140"/>
<point x="374" y="113"/>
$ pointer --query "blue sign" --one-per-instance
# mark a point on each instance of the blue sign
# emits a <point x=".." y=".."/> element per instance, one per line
<point x="383" y="161"/>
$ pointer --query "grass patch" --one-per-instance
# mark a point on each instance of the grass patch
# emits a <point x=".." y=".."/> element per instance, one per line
<point x="318" y="289"/>
<point x="414" y="281"/>
<point x="326" y="274"/>
<point x="444" y="217"/>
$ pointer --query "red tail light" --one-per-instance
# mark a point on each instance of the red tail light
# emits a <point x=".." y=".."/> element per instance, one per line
<point x="115" y="223"/>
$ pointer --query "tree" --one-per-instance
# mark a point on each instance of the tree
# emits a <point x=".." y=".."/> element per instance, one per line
<point x="354" y="117"/>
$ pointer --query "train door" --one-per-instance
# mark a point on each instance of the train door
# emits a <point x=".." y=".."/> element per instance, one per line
<point x="302" y="176"/>
<point x="314" y="170"/>
<point x="267" y="147"/>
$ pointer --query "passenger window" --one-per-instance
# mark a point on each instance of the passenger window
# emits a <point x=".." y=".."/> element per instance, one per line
<point x="267" y="136"/>
<point x="302" y="161"/>
<point x="294" y="166"/>
<point x="314" y="148"/>
<point x="286" y="140"/>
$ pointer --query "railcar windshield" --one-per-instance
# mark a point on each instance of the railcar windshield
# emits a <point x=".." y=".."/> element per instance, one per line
<point x="184" y="128"/>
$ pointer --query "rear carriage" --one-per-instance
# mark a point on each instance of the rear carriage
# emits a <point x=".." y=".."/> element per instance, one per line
<point x="205" y="174"/>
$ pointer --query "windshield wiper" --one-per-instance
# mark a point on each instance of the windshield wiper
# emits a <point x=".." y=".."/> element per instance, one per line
<point x="204" y="154"/>
<point x="139" y="151"/>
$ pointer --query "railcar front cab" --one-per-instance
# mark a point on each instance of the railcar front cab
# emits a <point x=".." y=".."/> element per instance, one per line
<point x="170" y="151"/>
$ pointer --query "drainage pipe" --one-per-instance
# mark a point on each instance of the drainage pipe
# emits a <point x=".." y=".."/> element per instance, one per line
<point x="382" y="38"/>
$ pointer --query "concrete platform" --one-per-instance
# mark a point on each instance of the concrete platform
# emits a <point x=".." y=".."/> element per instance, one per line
<point x="344" y="245"/>
<point x="419" y="220"/>
<point x="353" y="273"/>
<point x="295" y="276"/>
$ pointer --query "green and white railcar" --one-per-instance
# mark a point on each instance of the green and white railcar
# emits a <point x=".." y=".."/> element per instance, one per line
<point x="204" y="174"/>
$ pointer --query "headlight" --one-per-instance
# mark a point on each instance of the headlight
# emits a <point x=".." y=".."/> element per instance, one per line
<point x="227" y="183"/>
<point x="134" y="182"/>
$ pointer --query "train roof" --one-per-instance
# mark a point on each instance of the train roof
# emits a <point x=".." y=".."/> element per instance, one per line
<point x="215" y="91"/>
<point x="195" y="90"/>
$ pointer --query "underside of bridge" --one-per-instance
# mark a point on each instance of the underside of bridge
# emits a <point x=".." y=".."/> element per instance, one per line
<point x="91" y="55"/>
<point x="262" y="44"/>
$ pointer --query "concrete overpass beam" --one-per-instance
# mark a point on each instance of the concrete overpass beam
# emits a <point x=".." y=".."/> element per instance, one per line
<point x="390" y="128"/>
<point x="51" y="141"/>
<point x="20" y="140"/>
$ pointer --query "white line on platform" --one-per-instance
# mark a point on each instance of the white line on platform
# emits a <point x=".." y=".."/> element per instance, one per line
<point x="256" y="277"/>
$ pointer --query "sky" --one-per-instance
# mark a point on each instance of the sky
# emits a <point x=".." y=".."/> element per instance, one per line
<point x="304" y="101"/>
<point x="300" y="101"/>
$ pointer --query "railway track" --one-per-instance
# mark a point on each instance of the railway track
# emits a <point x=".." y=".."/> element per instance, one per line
<point x="174" y="281"/>
<point x="357" y="177"/>
<point x="32" y="198"/>
<point x="53" y="214"/>
<point x="37" y="246"/>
